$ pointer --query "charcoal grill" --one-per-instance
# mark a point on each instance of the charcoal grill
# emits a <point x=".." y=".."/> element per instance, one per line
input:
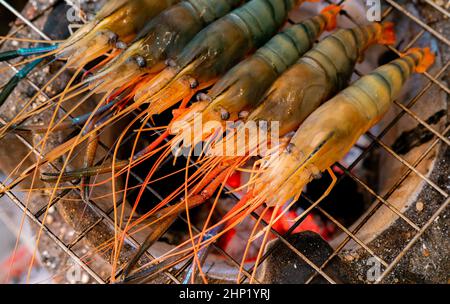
<point x="350" y="234"/>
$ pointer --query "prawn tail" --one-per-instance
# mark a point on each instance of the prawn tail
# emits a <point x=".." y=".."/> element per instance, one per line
<point x="394" y="76"/>
<point x="330" y="13"/>
<point x="387" y="35"/>
<point x="26" y="52"/>
<point x="427" y="58"/>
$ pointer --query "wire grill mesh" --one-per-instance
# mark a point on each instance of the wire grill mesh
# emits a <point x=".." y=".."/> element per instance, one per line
<point x="378" y="200"/>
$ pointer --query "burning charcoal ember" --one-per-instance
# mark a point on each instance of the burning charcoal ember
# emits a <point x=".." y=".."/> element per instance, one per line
<point x="284" y="266"/>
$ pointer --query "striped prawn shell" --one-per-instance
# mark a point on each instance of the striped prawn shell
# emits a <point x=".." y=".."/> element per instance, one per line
<point x="167" y="34"/>
<point x="315" y="77"/>
<point x="219" y="46"/>
<point x="332" y="130"/>
<point x="338" y="53"/>
<point x="163" y="37"/>
<point x="373" y="94"/>
<point x="244" y="85"/>
<point x="285" y="49"/>
<point x="210" y="10"/>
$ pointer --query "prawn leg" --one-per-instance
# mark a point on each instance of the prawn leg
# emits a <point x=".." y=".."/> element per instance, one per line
<point x="119" y="22"/>
<point x="85" y="172"/>
<point x="89" y="158"/>
<point x="201" y="255"/>
<point x="166" y="217"/>
<point x="74" y="122"/>
<point x="14" y="81"/>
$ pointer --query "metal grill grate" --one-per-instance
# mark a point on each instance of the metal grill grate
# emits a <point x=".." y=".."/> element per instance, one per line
<point x="377" y="141"/>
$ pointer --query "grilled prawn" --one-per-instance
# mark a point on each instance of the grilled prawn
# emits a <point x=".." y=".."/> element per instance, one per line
<point x="313" y="79"/>
<point x="213" y="51"/>
<point x="323" y="139"/>
<point x="163" y="37"/>
<point x="316" y="76"/>
<point x="312" y="74"/>
<point x="242" y="88"/>
<point x="116" y="23"/>
<point x="204" y="55"/>
<point x="329" y="133"/>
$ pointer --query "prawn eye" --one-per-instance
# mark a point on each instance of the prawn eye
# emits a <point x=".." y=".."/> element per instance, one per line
<point x="290" y="147"/>
<point x="121" y="45"/>
<point x="193" y="83"/>
<point x="203" y="97"/>
<point x="243" y="114"/>
<point x="140" y="61"/>
<point x="224" y="114"/>
<point x="113" y="37"/>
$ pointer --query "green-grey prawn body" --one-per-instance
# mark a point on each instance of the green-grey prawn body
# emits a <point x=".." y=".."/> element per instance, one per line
<point x="360" y="106"/>
<point x="316" y="77"/>
<point x="165" y="36"/>
<point x="221" y="45"/>
<point x="331" y="131"/>
<point x="243" y="86"/>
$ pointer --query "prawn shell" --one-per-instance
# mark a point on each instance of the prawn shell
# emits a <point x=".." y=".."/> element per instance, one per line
<point x="244" y="85"/>
<point x="125" y="22"/>
<point x="235" y="35"/>
<point x="316" y="77"/>
<point x="163" y="37"/>
<point x="331" y="131"/>
<point x="359" y="107"/>
<point x="209" y="10"/>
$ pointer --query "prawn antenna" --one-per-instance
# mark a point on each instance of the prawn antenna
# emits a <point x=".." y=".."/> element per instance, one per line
<point x="26" y="52"/>
<point x="14" y="81"/>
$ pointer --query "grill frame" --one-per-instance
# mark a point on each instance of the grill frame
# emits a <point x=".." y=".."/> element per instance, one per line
<point x="174" y="276"/>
